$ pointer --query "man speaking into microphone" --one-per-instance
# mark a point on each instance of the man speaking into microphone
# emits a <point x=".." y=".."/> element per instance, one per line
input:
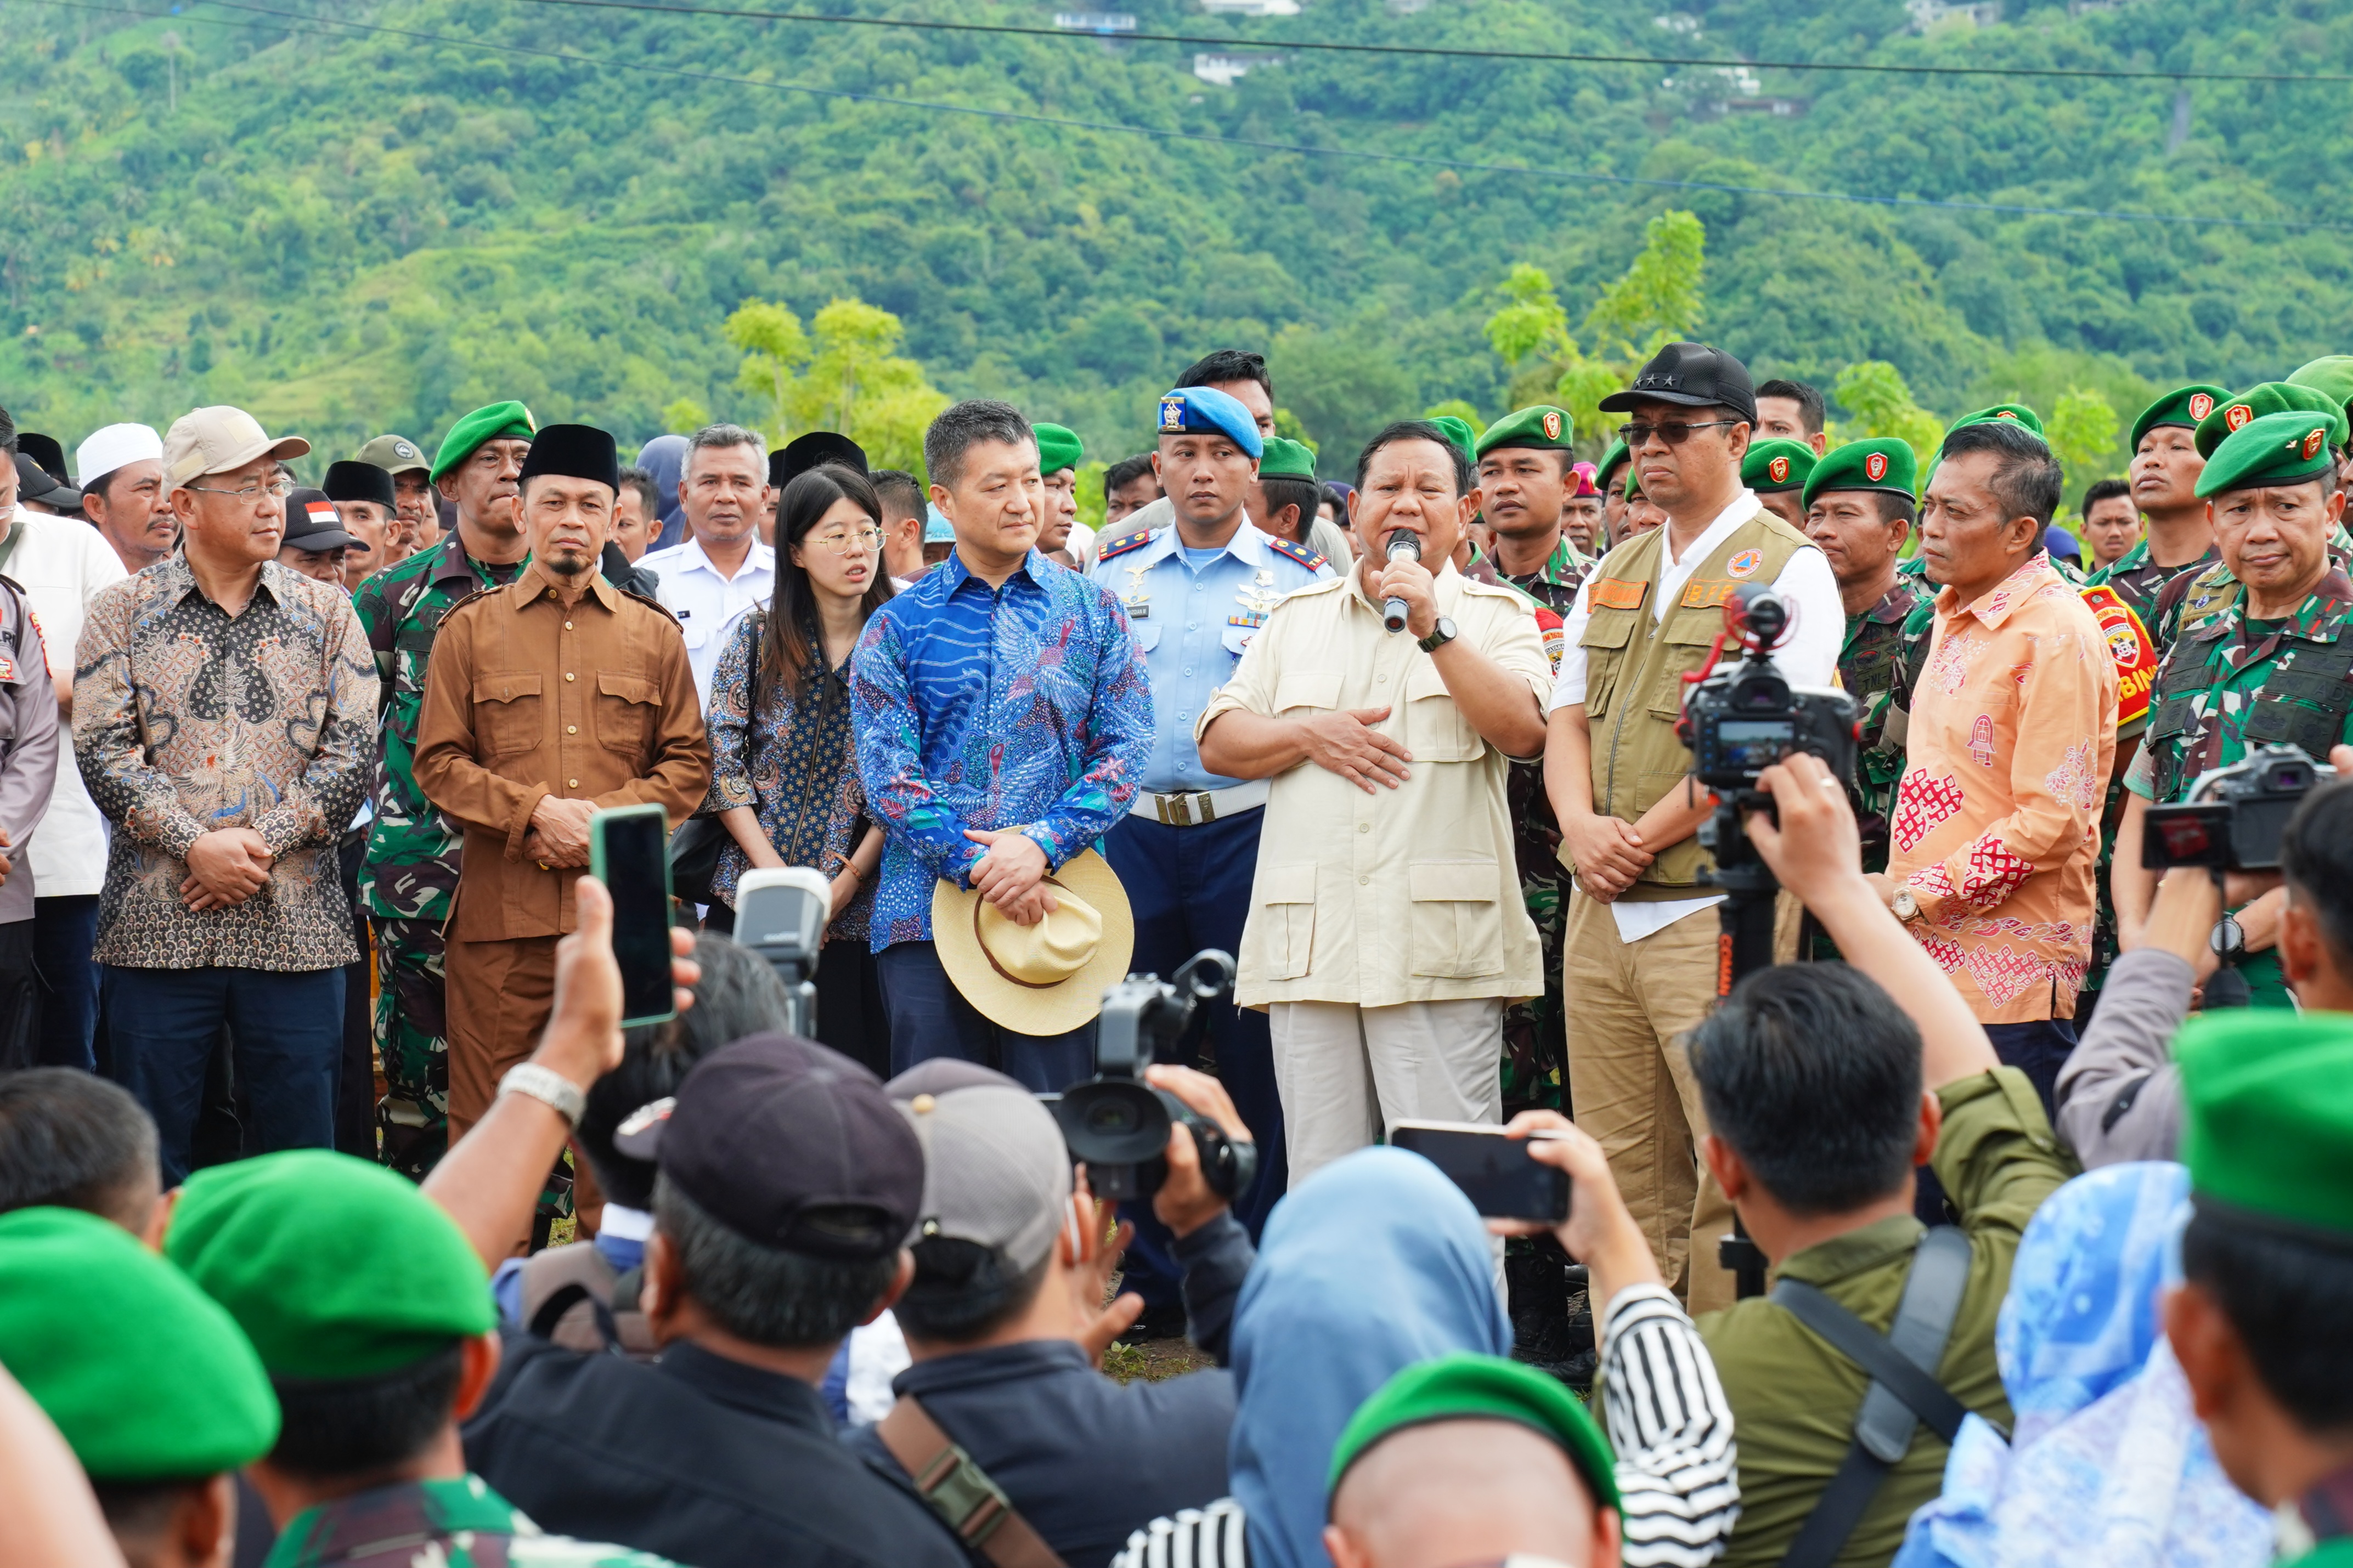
<point x="1386" y="930"/>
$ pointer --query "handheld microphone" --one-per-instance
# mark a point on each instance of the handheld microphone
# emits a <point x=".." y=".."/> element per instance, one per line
<point x="1402" y="546"/>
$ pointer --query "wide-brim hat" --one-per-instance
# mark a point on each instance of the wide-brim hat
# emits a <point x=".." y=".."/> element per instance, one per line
<point x="1045" y="979"/>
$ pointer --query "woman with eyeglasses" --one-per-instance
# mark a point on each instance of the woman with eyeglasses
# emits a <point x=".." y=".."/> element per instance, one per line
<point x="783" y="773"/>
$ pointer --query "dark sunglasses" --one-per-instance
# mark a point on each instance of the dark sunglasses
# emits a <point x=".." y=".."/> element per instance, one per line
<point x="1675" y="431"/>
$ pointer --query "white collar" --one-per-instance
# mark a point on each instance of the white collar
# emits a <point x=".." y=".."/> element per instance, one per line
<point x="1744" y="506"/>
<point x="763" y="558"/>
<point x="623" y="1224"/>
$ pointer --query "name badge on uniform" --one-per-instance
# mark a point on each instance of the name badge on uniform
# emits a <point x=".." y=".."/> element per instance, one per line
<point x="1617" y="593"/>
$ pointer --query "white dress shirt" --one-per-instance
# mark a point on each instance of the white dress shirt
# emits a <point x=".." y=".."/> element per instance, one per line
<point x="1809" y="657"/>
<point x="707" y="603"/>
<point x="62" y="563"/>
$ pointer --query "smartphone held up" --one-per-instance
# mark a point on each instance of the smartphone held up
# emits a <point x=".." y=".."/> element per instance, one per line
<point x="1498" y="1174"/>
<point x="628" y="851"/>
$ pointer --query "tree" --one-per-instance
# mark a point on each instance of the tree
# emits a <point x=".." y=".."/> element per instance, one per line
<point x="1873" y="391"/>
<point x="851" y="377"/>
<point x="2083" y="433"/>
<point x="774" y="349"/>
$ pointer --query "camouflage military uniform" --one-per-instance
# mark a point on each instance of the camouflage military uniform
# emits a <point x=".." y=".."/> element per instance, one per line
<point x="2230" y="684"/>
<point x="1885" y="647"/>
<point x="410" y="869"/>
<point x="2139" y="580"/>
<point x="1535" y="1039"/>
<point x="446" y="1523"/>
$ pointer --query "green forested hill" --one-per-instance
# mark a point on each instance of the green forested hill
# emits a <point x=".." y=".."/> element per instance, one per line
<point x="351" y="231"/>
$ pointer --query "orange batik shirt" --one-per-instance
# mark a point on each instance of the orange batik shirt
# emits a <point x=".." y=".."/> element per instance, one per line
<point x="1997" y="822"/>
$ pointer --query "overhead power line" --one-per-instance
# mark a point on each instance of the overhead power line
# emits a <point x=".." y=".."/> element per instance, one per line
<point x="312" y="24"/>
<point x="1432" y="51"/>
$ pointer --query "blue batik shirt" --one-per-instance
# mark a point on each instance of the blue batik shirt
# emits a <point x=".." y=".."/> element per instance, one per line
<point x="1193" y="612"/>
<point x="1020" y="706"/>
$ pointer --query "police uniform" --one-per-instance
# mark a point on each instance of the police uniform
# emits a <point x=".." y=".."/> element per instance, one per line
<point x="1188" y="852"/>
<point x="2229" y="684"/>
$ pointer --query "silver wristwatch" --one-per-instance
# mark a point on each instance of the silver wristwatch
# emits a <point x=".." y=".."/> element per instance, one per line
<point x="1906" y="907"/>
<point x="548" y="1087"/>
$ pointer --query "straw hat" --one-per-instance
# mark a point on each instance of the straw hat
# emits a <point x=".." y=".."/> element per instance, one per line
<point x="1044" y="979"/>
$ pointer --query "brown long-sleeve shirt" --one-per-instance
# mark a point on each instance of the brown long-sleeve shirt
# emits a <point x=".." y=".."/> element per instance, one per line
<point x="527" y="697"/>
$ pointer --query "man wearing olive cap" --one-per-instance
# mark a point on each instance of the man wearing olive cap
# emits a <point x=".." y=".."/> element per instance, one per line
<point x="410" y="873"/>
<point x="2269" y="664"/>
<point x="2258" y="1324"/>
<point x="370" y="1314"/>
<point x="415" y="500"/>
<point x="151" y="1384"/>
<point x="2166" y="464"/>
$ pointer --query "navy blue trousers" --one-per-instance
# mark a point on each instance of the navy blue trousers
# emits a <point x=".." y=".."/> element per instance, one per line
<point x="929" y="1018"/>
<point x="1190" y="888"/>
<point x="289" y="1033"/>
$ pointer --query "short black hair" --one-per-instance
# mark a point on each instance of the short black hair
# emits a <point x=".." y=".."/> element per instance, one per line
<point x="1225" y="365"/>
<point x="141" y="1510"/>
<point x="2027" y="479"/>
<point x="1285" y="490"/>
<point x="765" y="1294"/>
<point x="649" y="496"/>
<point x="72" y="1139"/>
<point x="960" y="427"/>
<point x="1894" y="506"/>
<point x="1335" y="497"/>
<point x="739" y="995"/>
<point x="7" y="433"/>
<point x="1811" y="412"/>
<point x="2285" y="1295"/>
<point x="2099" y="490"/>
<point x="357" y="1426"/>
<point x="1400" y="430"/>
<point x="1127" y="470"/>
<point x="1811" y="1073"/>
<point x="2316" y="858"/>
<point x="896" y="489"/>
<point x="963" y="1291"/>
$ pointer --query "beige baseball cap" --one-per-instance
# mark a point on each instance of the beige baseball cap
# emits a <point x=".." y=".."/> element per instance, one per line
<point x="215" y="439"/>
<point x="394" y="455"/>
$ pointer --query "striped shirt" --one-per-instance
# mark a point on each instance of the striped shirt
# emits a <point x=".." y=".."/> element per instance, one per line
<point x="1022" y="707"/>
<point x="1669" y="1423"/>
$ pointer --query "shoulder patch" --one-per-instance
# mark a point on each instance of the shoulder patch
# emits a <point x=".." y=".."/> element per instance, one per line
<point x="1299" y="552"/>
<point x="1121" y="546"/>
<point x="463" y="601"/>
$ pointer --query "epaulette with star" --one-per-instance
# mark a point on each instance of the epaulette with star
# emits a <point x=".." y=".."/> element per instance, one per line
<point x="1121" y="546"/>
<point x="1299" y="552"/>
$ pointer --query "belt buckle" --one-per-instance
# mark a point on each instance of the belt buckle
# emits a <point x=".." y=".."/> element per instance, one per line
<point x="1206" y="812"/>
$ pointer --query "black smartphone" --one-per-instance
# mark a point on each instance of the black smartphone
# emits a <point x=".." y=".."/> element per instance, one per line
<point x="628" y="851"/>
<point x="1495" y="1173"/>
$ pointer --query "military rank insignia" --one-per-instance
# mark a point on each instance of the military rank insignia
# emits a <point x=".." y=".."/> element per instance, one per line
<point x="1172" y="414"/>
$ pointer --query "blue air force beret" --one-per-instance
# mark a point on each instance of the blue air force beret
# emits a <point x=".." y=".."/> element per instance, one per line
<point x="1203" y="410"/>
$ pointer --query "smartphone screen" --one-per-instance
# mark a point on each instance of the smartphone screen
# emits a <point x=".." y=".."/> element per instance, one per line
<point x="630" y="851"/>
<point x="1495" y="1172"/>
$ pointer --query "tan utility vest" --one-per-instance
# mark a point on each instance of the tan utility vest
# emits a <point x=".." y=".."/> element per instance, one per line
<point x="1634" y="669"/>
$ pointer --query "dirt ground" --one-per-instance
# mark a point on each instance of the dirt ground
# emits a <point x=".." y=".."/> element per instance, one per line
<point x="1153" y="1360"/>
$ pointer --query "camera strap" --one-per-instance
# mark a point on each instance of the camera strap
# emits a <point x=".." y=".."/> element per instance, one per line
<point x="960" y="1491"/>
<point x="1904" y="1390"/>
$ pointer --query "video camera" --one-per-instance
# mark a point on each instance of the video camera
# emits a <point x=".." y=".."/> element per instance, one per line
<point x="1118" y="1124"/>
<point x="781" y="914"/>
<point x="1741" y="720"/>
<point x="2234" y="815"/>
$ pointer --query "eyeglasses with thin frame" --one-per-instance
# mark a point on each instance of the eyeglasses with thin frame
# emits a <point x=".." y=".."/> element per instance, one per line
<point x="839" y="543"/>
<point x="1673" y="432"/>
<point x="280" y="488"/>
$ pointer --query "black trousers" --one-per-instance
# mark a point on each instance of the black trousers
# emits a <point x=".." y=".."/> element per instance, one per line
<point x="20" y="997"/>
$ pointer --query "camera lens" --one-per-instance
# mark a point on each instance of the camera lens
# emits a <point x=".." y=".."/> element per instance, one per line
<point x="1109" y="1118"/>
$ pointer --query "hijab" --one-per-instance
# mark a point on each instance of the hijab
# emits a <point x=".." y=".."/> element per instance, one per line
<point x="1374" y="1262"/>
<point x="664" y="458"/>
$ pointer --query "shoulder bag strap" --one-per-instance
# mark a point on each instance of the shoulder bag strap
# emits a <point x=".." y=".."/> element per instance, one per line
<point x="1903" y="1388"/>
<point x="960" y="1491"/>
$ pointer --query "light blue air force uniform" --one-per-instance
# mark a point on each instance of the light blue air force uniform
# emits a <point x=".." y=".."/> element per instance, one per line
<point x="1193" y="622"/>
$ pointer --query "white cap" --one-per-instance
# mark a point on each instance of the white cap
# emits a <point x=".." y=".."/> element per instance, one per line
<point x="116" y="447"/>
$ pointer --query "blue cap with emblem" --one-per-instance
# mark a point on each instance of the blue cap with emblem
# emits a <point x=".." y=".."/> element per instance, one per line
<point x="1203" y="410"/>
<point x="937" y="530"/>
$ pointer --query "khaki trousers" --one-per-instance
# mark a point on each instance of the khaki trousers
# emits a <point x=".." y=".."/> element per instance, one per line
<point x="1631" y="1083"/>
<point x="499" y="995"/>
<point x="1345" y="1072"/>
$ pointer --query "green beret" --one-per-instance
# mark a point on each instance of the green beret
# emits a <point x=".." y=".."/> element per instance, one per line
<point x="2242" y="408"/>
<point x="2017" y="413"/>
<point x="1881" y="463"/>
<point x="335" y="1268"/>
<point x="1634" y="482"/>
<point x="1618" y="453"/>
<point x="1777" y="465"/>
<point x="2183" y="405"/>
<point x="2331" y="374"/>
<point x="2267" y="1103"/>
<point x="1542" y="426"/>
<point x="146" y="1376"/>
<point x="1285" y="460"/>
<point x="509" y="420"/>
<point x="1058" y="448"/>
<point x="2276" y="449"/>
<point x="1466" y="1387"/>
<point x="1457" y="431"/>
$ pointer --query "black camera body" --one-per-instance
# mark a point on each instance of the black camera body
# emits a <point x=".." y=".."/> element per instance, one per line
<point x="1118" y="1124"/>
<point x="2234" y="816"/>
<point x="1742" y="720"/>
